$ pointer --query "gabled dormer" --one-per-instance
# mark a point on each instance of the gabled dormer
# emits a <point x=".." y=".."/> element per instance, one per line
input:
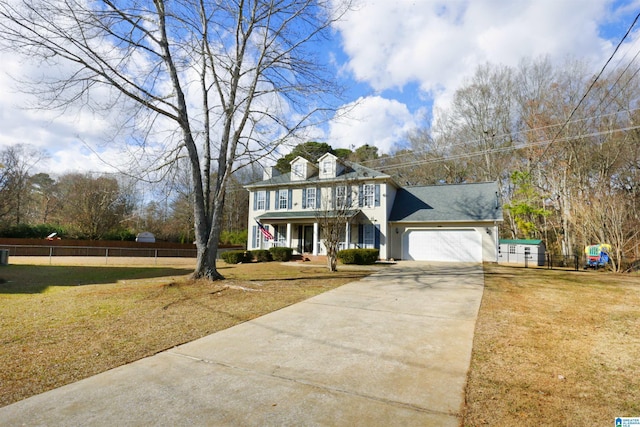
<point x="302" y="169"/>
<point x="329" y="166"/>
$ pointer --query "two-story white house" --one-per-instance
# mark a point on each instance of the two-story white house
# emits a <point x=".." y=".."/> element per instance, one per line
<point x="439" y="223"/>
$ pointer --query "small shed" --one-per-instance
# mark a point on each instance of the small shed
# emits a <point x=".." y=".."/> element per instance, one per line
<point x="145" y="237"/>
<point x="521" y="251"/>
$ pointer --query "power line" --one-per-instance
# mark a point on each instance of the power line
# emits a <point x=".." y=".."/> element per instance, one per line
<point x="587" y="92"/>
<point x="413" y="154"/>
<point x="520" y="146"/>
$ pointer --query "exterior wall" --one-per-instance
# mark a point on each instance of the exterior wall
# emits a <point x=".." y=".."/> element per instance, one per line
<point x="375" y="215"/>
<point x="488" y="231"/>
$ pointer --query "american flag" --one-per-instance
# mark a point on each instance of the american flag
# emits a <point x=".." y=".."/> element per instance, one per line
<point x="267" y="235"/>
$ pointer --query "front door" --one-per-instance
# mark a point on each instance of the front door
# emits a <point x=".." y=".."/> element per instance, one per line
<point x="307" y="245"/>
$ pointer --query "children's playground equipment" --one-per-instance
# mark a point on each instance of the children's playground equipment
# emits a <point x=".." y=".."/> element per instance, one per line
<point x="597" y="255"/>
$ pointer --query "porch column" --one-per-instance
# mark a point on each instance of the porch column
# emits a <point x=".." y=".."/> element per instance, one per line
<point x="288" y="234"/>
<point x="347" y="235"/>
<point x="315" y="239"/>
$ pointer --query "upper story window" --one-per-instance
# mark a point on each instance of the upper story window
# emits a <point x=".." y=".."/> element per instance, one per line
<point x="283" y="199"/>
<point x="327" y="166"/>
<point x="261" y="200"/>
<point x="297" y="169"/>
<point x="368" y="195"/>
<point x="341" y="196"/>
<point x="311" y="198"/>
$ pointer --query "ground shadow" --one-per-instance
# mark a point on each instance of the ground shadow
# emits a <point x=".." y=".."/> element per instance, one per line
<point x="33" y="279"/>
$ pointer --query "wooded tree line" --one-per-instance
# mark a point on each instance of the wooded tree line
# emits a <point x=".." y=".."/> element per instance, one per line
<point x="568" y="175"/>
<point x="100" y="206"/>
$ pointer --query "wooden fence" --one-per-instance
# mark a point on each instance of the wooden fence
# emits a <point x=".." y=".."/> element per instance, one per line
<point x="99" y="248"/>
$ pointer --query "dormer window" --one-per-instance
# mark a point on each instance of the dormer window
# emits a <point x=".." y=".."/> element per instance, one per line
<point x="327" y="166"/>
<point x="302" y="169"/>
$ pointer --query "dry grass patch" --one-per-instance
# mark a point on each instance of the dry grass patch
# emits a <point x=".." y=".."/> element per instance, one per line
<point x="555" y="348"/>
<point x="59" y="324"/>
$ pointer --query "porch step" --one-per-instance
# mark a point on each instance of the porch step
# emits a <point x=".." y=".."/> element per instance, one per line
<point x="309" y="258"/>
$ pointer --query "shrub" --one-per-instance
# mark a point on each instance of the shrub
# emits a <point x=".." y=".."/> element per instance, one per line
<point x="281" y="254"/>
<point x="359" y="256"/>
<point x="262" y="255"/>
<point x="236" y="257"/>
<point x="122" y="234"/>
<point x="24" y="231"/>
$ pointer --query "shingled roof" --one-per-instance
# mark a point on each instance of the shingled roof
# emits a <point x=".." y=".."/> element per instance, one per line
<point x="447" y="203"/>
<point x="352" y="172"/>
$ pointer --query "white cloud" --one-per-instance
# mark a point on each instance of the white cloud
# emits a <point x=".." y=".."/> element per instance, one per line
<point x="60" y="134"/>
<point x="372" y="120"/>
<point x="418" y="49"/>
<point x="436" y="44"/>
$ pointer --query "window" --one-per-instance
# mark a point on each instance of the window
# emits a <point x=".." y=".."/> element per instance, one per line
<point x="368" y="238"/>
<point x="261" y="200"/>
<point x="283" y="199"/>
<point x="326" y="166"/>
<point x="297" y="170"/>
<point x="341" y="196"/>
<point x="281" y="235"/>
<point x="368" y="195"/>
<point x="310" y="201"/>
<point x="512" y="249"/>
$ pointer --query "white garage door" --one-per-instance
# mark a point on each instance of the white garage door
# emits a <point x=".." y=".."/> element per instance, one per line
<point x="464" y="245"/>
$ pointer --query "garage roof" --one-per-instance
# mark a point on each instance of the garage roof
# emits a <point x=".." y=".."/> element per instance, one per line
<point x="450" y="202"/>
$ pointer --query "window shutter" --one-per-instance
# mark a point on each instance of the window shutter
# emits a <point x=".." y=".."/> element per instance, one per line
<point x="289" y="199"/>
<point x="376" y="233"/>
<point x="377" y="202"/>
<point x="254" y="230"/>
<point x="318" y="198"/>
<point x="266" y="203"/>
<point x="277" y="205"/>
<point x="255" y="201"/>
<point x="360" y="195"/>
<point x="360" y="235"/>
<point x="348" y="190"/>
<point x="333" y="197"/>
<point x="304" y="198"/>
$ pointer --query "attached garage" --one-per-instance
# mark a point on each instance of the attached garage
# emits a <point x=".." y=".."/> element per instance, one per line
<point x="452" y="245"/>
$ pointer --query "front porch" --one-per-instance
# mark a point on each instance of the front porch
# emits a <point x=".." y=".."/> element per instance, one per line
<point x="304" y="239"/>
<point x="302" y="231"/>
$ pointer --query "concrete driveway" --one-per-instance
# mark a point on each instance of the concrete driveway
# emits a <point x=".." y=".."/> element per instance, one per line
<point x="391" y="349"/>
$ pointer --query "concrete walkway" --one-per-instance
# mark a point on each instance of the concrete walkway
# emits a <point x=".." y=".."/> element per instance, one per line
<point x="391" y="349"/>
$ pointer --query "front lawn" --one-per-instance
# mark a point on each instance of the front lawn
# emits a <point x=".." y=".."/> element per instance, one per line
<point x="555" y="348"/>
<point x="59" y="324"/>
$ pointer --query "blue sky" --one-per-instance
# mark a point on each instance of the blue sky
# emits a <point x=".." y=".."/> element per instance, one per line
<point x="397" y="58"/>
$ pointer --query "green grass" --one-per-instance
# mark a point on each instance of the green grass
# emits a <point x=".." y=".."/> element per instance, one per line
<point x="30" y="279"/>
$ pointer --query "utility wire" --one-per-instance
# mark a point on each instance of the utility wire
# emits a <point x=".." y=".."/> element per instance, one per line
<point x="520" y="146"/>
<point x="515" y="146"/>
<point x="586" y="93"/>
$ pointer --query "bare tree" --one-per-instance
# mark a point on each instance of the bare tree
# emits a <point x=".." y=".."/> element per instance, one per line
<point x="91" y="206"/>
<point x="18" y="162"/>
<point x="337" y="209"/>
<point x="222" y="82"/>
